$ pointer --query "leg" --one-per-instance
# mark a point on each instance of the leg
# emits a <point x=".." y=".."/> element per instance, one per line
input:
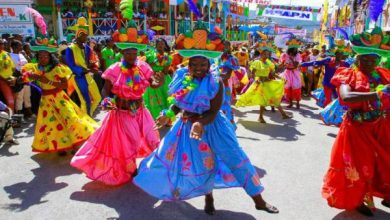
<point x="27" y="101"/>
<point x="328" y="95"/>
<point x="310" y="76"/>
<point x="83" y="93"/>
<point x="261" y="119"/>
<point x="94" y="93"/>
<point x="284" y="114"/>
<point x="8" y="95"/>
<point x="209" y="204"/>
<point x="19" y="101"/>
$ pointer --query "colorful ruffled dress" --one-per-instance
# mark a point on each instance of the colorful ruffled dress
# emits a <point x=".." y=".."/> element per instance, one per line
<point x="182" y="168"/>
<point x="360" y="159"/>
<point x="293" y="77"/>
<point x="156" y="98"/>
<point x="268" y="93"/>
<point x="110" y="154"/>
<point x="61" y="124"/>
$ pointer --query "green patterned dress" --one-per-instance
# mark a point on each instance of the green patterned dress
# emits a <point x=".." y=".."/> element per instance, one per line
<point x="156" y="99"/>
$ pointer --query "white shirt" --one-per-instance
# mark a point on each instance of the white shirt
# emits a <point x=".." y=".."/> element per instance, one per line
<point x="311" y="59"/>
<point x="19" y="60"/>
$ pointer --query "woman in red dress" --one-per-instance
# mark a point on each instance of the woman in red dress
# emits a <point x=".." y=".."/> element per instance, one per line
<point x="360" y="160"/>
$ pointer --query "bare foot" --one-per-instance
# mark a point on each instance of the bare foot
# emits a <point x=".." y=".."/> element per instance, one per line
<point x="261" y="120"/>
<point x="286" y="116"/>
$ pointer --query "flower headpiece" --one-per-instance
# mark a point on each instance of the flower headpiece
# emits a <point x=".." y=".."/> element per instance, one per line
<point x="266" y="45"/>
<point x="200" y="42"/>
<point x="129" y="37"/>
<point x="371" y="43"/>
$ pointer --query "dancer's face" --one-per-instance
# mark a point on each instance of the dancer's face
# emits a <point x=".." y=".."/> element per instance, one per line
<point x="160" y="46"/>
<point x="199" y="66"/>
<point x="130" y="56"/>
<point x="367" y="63"/>
<point x="43" y="58"/>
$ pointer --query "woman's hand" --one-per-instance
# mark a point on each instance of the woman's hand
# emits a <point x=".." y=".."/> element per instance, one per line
<point x="161" y="121"/>
<point x="196" y="131"/>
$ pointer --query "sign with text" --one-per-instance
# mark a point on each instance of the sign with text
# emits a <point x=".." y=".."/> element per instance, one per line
<point x="14" y="13"/>
<point x="15" y="20"/>
<point x="287" y="14"/>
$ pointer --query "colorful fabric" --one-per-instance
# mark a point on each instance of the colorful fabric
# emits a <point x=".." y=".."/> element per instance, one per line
<point x="6" y="65"/>
<point x="262" y="69"/>
<point x="108" y="56"/>
<point x="60" y="125"/>
<point x="184" y="168"/>
<point x="319" y="96"/>
<point x="156" y="98"/>
<point x="359" y="82"/>
<point x="291" y="75"/>
<point x="110" y="153"/>
<point x="333" y="113"/>
<point x="86" y="88"/>
<point x="269" y="93"/>
<point x="361" y="153"/>
<point x="226" y="106"/>
<point x="243" y="58"/>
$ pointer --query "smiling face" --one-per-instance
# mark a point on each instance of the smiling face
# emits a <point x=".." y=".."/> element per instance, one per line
<point x="43" y="58"/>
<point x="199" y="66"/>
<point x="130" y="55"/>
<point x="367" y="63"/>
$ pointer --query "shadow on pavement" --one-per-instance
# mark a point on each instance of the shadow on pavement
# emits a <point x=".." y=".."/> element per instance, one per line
<point x="354" y="215"/>
<point x="130" y="202"/>
<point x="284" y="132"/>
<point x="31" y="193"/>
<point x="4" y="150"/>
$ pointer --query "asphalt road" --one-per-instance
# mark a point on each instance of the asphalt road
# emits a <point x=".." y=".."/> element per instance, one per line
<point x="292" y="155"/>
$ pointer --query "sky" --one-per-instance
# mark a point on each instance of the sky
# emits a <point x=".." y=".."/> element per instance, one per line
<point x="312" y="3"/>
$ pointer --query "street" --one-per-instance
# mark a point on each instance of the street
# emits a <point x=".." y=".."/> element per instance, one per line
<point x="292" y="155"/>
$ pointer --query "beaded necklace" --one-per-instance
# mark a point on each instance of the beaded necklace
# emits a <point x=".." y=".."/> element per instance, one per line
<point x="162" y="60"/>
<point x="133" y="78"/>
<point x="188" y="85"/>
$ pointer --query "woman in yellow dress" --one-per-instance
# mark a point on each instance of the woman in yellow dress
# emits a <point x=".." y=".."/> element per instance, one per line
<point x="61" y="125"/>
<point x="264" y="91"/>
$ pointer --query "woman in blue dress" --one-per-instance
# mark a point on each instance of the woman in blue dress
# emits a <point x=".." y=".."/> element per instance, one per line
<point x="201" y="151"/>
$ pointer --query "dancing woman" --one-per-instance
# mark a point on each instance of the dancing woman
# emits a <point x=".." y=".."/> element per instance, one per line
<point x="201" y="151"/>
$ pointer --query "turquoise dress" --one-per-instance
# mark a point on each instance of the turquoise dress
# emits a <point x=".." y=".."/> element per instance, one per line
<point x="155" y="99"/>
<point x="182" y="168"/>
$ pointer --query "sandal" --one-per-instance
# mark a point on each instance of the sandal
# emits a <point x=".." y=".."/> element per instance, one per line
<point x="386" y="203"/>
<point x="268" y="208"/>
<point x="364" y="210"/>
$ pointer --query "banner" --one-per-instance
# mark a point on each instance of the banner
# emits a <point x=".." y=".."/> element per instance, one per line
<point x="288" y="14"/>
<point x="14" y="13"/>
<point x="14" y="19"/>
<point x="281" y="30"/>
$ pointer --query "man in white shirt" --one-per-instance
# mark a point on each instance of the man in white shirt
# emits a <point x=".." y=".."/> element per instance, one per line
<point x="22" y="92"/>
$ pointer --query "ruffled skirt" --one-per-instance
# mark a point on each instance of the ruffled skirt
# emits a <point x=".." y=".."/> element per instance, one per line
<point x="359" y="164"/>
<point x="110" y="153"/>
<point x="182" y="168"/>
<point x="264" y="94"/>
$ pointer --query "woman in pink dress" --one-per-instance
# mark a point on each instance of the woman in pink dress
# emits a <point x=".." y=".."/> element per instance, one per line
<point x="292" y="75"/>
<point x="127" y="130"/>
